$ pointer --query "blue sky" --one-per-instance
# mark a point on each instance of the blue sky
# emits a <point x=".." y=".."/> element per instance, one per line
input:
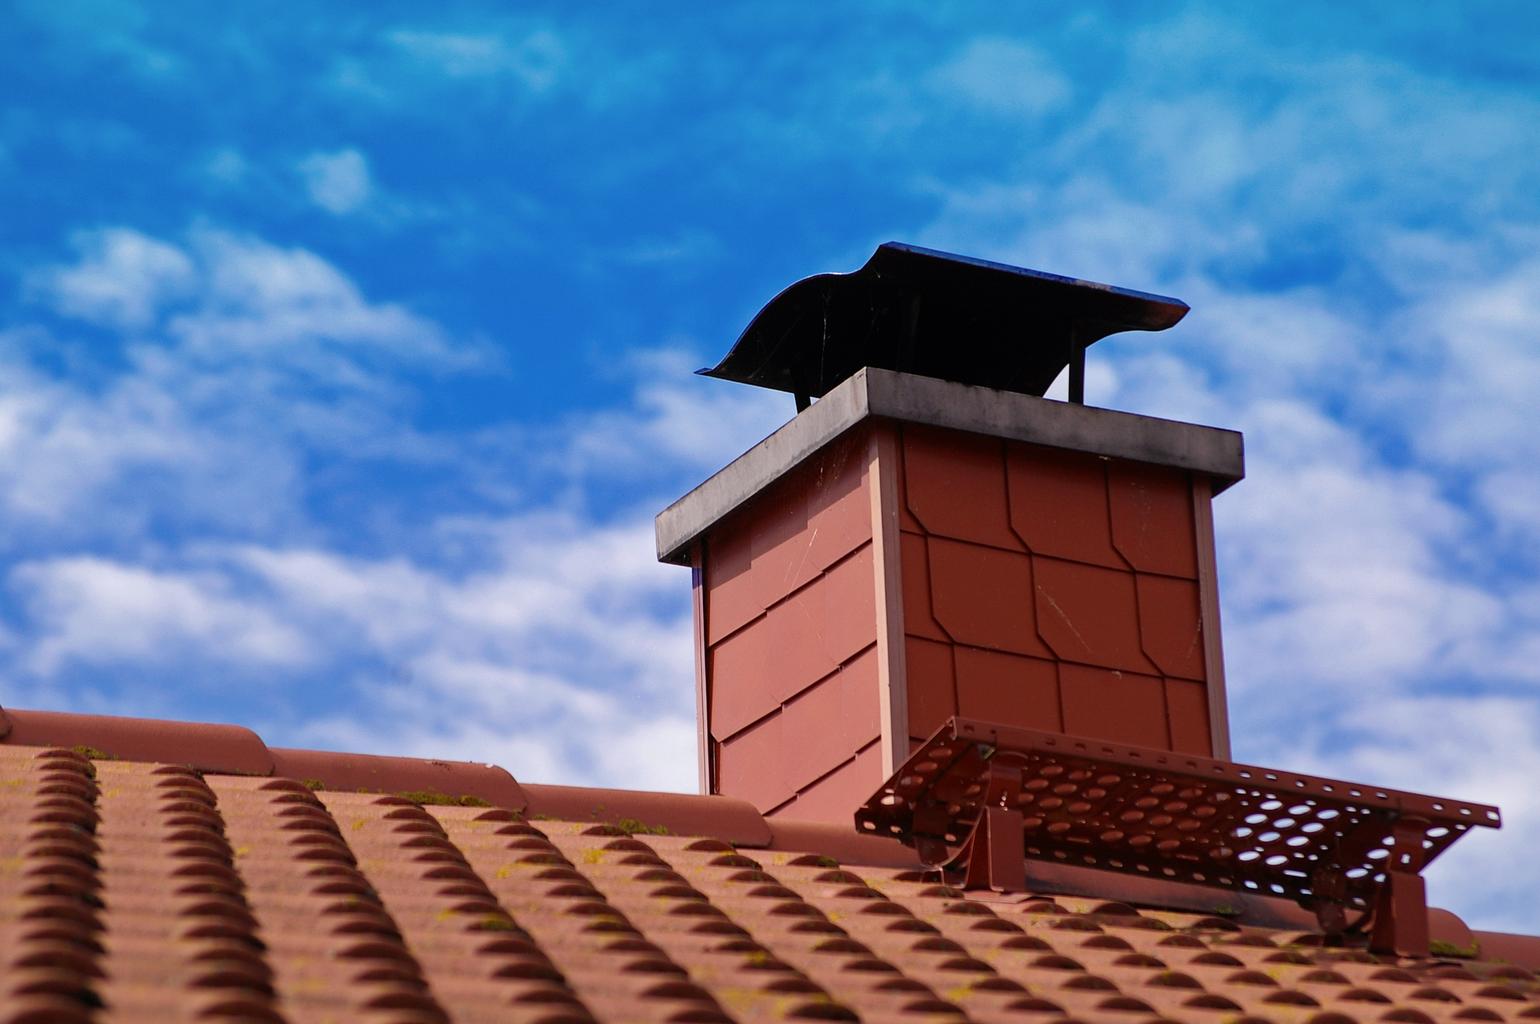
<point x="344" y="351"/>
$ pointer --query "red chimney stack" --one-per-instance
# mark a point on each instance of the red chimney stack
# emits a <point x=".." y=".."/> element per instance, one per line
<point x="910" y="548"/>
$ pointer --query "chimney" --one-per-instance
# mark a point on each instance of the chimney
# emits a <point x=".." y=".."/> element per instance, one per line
<point x="931" y="537"/>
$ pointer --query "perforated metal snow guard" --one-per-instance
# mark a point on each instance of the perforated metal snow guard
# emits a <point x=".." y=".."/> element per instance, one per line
<point x="1003" y="795"/>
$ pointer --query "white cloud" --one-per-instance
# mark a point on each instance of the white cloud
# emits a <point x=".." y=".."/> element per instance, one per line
<point x="1339" y="579"/>
<point x="245" y="359"/>
<point x="91" y="611"/>
<point x="338" y="182"/>
<point x="559" y="594"/>
<point x="1001" y="76"/>
<point x="1301" y="136"/>
<point x="534" y="58"/>
<point x="1088" y="228"/>
<point x="622" y="749"/>
<point x="1486" y="336"/>
<point x="122" y="280"/>
<point x="290" y="304"/>
<point x="63" y="449"/>
<point x="1512" y="496"/>
<point x="677" y="416"/>
<point x="224" y="292"/>
<point x="564" y="655"/>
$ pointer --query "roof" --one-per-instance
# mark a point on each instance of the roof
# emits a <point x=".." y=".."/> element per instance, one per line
<point x="161" y="871"/>
<point x="936" y="314"/>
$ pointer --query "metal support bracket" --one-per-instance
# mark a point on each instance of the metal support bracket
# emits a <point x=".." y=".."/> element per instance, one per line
<point x="994" y="856"/>
<point x="1399" y="920"/>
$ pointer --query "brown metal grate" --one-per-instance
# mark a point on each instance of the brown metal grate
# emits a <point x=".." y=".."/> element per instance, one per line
<point x="1327" y="844"/>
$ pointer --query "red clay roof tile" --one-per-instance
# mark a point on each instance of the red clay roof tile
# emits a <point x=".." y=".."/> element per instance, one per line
<point x="215" y="748"/>
<point x="417" y="776"/>
<point x="157" y="891"/>
<point x="733" y="821"/>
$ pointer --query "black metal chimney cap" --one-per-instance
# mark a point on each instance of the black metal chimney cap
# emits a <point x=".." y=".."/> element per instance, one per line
<point x="936" y="314"/>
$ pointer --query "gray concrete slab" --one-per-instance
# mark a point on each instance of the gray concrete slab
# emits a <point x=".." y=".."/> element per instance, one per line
<point x="873" y="393"/>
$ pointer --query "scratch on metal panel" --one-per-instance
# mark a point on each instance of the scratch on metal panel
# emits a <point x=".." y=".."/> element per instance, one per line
<point x="807" y="549"/>
<point x="1067" y="620"/>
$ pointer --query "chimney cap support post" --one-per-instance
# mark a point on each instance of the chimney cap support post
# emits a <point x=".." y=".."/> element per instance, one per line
<point x="1076" y="366"/>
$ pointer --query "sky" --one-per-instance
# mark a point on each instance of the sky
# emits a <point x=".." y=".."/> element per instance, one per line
<point x="345" y="350"/>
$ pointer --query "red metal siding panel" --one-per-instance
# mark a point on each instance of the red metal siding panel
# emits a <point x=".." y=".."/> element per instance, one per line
<point x="826" y="724"/>
<point x="919" y="620"/>
<point x="790" y="615"/>
<point x="1008" y="688"/>
<point x="794" y="531"/>
<point x="1171" y="624"/>
<point x="830" y="619"/>
<point x="1114" y="705"/>
<point x="932" y="692"/>
<point x="795" y="750"/>
<point x="1059" y="504"/>
<point x="983" y="596"/>
<point x="956" y="486"/>
<point x="798" y="642"/>
<point x="1107" y="585"/>
<point x="1090" y="614"/>
<point x="1187" y="708"/>
<point x="736" y="594"/>
<point x="741" y="682"/>
<point x="906" y="519"/>
<point x="835" y="797"/>
<point x="1152" y="518"/>
<point x="750" y="764"/>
